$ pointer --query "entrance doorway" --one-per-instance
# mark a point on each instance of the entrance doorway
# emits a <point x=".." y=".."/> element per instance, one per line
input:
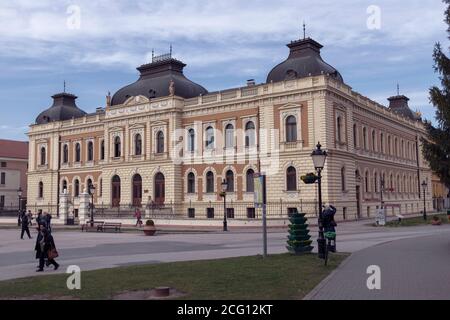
<point x="159" y="189"/>
<point x="115" y="187"/>
<point x="137" y="190"/>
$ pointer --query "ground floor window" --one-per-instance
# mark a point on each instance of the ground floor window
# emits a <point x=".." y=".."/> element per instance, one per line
<point x="230" y="213"/>
<point x="191" y="212"/>
<point x="210" y="213"/>
<point x="344" y="213"/>
<point x="251" y="213"/>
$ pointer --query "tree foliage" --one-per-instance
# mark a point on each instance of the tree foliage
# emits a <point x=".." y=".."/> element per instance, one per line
<point x="436" y="147"/>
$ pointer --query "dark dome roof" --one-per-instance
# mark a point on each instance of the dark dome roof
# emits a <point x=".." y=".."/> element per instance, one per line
<point x="63" y="108"/>
<point x="155" y="80"/>
<point x="304" y="61"/>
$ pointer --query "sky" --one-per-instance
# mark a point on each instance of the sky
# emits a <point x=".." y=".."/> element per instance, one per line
<point x="96" y="45"/>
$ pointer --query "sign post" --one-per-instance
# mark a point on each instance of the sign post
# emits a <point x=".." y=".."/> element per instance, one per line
<point x="260" y="202"/>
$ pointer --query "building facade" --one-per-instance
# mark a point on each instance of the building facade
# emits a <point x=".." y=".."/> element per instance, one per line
<point x="441" y="194"/>
<point x="13" y="174"/>
<point x="166" y="143"/>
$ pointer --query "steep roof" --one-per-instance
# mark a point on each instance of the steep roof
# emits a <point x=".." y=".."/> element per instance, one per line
<point x="13" y="149"/>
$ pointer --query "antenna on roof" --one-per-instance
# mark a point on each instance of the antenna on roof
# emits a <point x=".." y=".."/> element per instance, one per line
<point x="304" y="30"/>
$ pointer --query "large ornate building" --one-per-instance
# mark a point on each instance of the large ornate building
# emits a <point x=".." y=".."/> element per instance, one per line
<point x="166" y="143"/>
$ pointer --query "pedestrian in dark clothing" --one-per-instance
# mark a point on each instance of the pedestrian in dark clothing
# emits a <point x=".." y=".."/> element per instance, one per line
<point x="19" y="218"/>
<point x="41" y="220"/>
<point x="44" y="244"/>
<point x="48" y="220"/>
<point x="30" y="217"/>
<point x="25" y="224"/>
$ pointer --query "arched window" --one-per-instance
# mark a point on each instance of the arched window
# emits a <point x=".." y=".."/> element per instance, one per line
<point x="191" y="140"/>
<point x="65" y="154"/>
<point x="402" y="151"/>
<point x="64" y="186"/>
<point x="90" y="151"/>
<point x="399" y="190"/>
<point x="339" y="129"/>
<point x="102" y="150"/>
<point x="374" y="141"/>
<point x="291" y="129"/>
<point x="365" y="138"/>
<point x="137" y="145"/>
<point x="160" y="142"/>
<point x="230" y="181"/>
<point x="250" y="183"/>
<point x="391" y="182"/>
<point x="343" y="187"/>
<point x="366" y="181"/>
<point x="389" y="151"/>
<point x="100" y="187"/>
<point x="76" y="188"/>
<point x="291" y="179"/>
<point x="381" y="142"/>
<point x="355" y="136"/>
<point x="209" y="138"/>
<point x="396" y="147"/>
<point x="191" y="183"/>
<point x="250" y="140"/>
<point x="41" y="190"/>
<point x="375" y="182"/>
<point x="117" y="147"/>
<point x="88" y="185"/>
<point x="77" y="152"/>
<point x="229" y="136"/>
<point x="209" y="182"/>
<point x="43" y="156"/>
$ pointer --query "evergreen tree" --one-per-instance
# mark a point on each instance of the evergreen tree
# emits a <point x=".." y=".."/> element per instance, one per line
<point x="436" y="148"/>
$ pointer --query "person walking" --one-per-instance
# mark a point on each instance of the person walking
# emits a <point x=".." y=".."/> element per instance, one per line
<point x="48" y="220"/>
<point x="138" y="216"/>
<point x="30" y="217"/>
<point x="25" y="224"/>
<point x="45" y="249"/>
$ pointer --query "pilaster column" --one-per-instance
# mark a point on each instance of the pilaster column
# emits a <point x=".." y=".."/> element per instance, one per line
<point x="64" y="206"/>
<point x="83" y="211"/>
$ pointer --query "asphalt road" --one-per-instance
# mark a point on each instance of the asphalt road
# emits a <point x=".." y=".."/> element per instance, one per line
<point x="410" y="269"/>
<point x="93" y="250"/>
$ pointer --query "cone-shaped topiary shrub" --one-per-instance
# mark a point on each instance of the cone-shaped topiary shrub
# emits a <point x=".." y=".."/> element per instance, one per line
<point x="299" y="239"/>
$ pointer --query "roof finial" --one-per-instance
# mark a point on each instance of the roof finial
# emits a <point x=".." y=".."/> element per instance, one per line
<point x="304" y="30"/>
<point x="398" y="89"/>
<point x="153" y="53"/>
<point x="171" y="50"/>
<point x="64" y="86"/>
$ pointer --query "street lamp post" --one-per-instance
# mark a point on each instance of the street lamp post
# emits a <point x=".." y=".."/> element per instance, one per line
<point x="319" y="157"/>
<point x="224" y="195"/>
<point x="424" y="186"/>
<point x="19" y="194"/>
<point x="91" y="192"/>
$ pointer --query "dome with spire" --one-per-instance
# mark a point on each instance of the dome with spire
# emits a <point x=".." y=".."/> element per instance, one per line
<point x="64" y="108"/>
<point x="304" y="61"/>
<point x="160" y="78"/>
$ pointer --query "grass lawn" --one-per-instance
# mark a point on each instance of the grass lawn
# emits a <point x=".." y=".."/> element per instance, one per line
<point x="279" y="277"/>
<point x="417" y="221"/>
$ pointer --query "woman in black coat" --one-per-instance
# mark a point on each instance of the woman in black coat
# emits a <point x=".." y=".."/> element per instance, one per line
<point x="44" y="243"/>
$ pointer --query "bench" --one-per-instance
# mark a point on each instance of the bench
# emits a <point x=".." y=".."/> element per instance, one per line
<point x="110" y="225"/>
<point x="96" y="226"/>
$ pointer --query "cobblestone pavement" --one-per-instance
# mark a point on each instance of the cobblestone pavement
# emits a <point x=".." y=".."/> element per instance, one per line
<point x="415" y="268"/>
<point x="105" y="250"/>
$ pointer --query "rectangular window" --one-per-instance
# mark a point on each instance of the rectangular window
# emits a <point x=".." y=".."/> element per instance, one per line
<point x="368" y="212"/>
<point x="210" y="213"/>
<point x="230" y="213"/>
<point x="75" y="212"/>
<point x="3" y="164"/>
<point x="251" y="213"/>
<point x="191" y="212"/>
<point x="3" y="178"/>
<point x="344" y="213"/>
<point x="2" y="201"/>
